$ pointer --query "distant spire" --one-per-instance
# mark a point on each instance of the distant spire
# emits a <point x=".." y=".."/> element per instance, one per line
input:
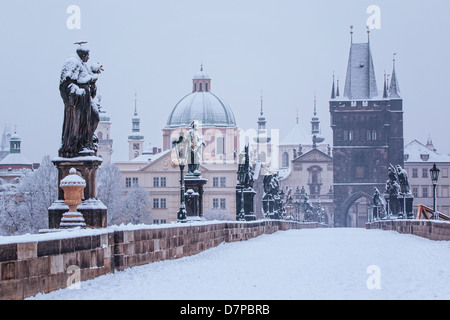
<point x="394" y="88"/>
<point x="135" y="104"/>
<point x="368" y="34"/>
<point x="297" y="116"/>
<point x="333" y="93"/>
<point x="351" y="34"/>
<point x="315" y="105"/>
<point x="261" y="111"/>
<point x="385" y="94"/>
<point x="337" y="88"/>
<point x="429" y="144"/>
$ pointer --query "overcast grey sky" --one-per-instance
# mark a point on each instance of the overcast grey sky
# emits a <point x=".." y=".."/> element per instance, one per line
<point x="288" y="49"/>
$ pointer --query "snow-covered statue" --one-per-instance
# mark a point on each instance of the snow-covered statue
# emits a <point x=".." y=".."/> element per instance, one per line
<point x="196" y="142"/>
<point x="392" y="190"/>
<point x="78" y="90"/>
<point x="405" y="188"/>
<point x="379" y="204"/>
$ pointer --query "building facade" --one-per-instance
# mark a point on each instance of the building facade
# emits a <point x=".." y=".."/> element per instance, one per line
<point x="306" y="167"/>
<point x="13" y="165"/>
<point x="157" y="171"/>
<point x="419" y="159"/>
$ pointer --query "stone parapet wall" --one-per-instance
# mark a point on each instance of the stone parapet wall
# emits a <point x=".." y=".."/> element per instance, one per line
<point x="42" y="265"/>
<point x="433" y="230"/>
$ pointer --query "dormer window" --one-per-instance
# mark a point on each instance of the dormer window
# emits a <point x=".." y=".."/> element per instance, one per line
<point x="406" y="157"/>
<point x="424" y="157"/>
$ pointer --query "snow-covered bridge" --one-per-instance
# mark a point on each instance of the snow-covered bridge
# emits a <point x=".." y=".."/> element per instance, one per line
<point x="293" y="264"/>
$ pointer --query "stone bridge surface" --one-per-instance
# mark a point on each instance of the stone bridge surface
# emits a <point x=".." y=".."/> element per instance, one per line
<point x="339" y="263"/>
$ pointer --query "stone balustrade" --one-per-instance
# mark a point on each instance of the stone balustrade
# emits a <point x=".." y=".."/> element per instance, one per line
<point x="47" y="262"/>
<point x="433" y="230"/>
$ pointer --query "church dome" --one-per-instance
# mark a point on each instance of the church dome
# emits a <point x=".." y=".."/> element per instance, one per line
<point x="201" y="105"/>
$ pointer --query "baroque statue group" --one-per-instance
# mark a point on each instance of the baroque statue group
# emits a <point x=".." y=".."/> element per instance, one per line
<point x="397" y="199"/>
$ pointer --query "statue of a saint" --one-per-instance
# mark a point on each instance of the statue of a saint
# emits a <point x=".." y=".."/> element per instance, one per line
<point x="196" y="142"/>
<point x="78" y="90"/>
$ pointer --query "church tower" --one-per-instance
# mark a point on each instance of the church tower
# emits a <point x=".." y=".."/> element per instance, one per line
<point x="367" y="135"/>
<point x="105" y="141"/>
<point x="262" y="139"/>
<point x="135" y="139"/>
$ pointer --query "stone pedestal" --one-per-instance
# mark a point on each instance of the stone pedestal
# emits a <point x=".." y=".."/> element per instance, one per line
<point x="93" y="210"/>
<point x="194" y="196"/>
<point x="408" y="203"/>
<point x="249" y="204"/>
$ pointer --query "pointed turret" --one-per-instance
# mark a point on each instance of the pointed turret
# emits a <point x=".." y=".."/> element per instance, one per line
<point x="333" y="90"/>
<point x="394" y="88"/>
<point x="337" y="88"/>
<point x="385" y="93"/>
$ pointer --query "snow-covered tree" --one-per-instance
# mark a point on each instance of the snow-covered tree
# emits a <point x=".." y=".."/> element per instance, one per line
<point x="28" y="206"/>
<point x="111" y="192"/>
<point x="9" y="220"/>
<point x="137" y="205"/>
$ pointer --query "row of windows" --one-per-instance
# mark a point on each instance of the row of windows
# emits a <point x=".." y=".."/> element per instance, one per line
<point x="159" y="221"/>
<point x="219" y="204"/>
<point x="370" y="135"/>
<point x="159" y="181"/>
<point x="427" y="192"/>
<point x="131" y="182"/>
<point x="219" y="181"/>
<point x="159" y="203"/>
<point x="200" y="87"/>
<point x="425" y="173"/>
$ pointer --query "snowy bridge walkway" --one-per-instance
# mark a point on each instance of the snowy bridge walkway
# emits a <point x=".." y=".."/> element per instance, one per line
<point x="294" y="264"/>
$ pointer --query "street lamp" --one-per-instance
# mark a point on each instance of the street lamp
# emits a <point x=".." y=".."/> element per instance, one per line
<point x="434" y="178"/>
<point x="181" y="149"/>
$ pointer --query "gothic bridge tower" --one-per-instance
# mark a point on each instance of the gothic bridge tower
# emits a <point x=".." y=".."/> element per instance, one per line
<point x="367" y="136"/>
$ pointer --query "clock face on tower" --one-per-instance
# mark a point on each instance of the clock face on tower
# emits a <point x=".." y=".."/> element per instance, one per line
<point x="135" y="146"/>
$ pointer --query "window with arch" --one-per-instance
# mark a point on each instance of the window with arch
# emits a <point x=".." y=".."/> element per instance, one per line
<point x="200" y="86"/>
<point x="206" y="86"/>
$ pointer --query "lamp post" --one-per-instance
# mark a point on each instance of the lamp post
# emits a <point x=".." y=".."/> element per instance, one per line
<point x="434" y="178"/>
<point x="181" y="149"/>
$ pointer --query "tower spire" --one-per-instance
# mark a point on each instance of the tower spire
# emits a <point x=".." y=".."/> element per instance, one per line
<point x="333" y="92"/>
<point x="351" y="33"/>
<point x="337" y="88"/>
<point x="261" y="111"/>
<point x="385" y="94"/>
<point x="394" y="88"/>
<point x="315" y="105"/>
<point x="135" y="104"/>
